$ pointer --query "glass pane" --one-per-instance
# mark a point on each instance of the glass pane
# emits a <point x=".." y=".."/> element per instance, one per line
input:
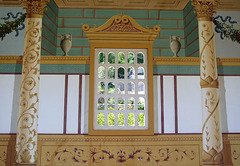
<point x="141" y="88"/>
<point x="121" y="73"/>
<point x="111" y="72"/>
<point x="101" y="88"/>
<point x="121" y="119"/>
<point x="131" y="119"/>
<point x="111" y="119"/>
<point x="121" y="88"/>
<point x="111" y="58"/>
<point x="131" y="103"/>
<point x="140" y="73"/>
<point x="141" y="103"/>
<point x="141" y="119"/>
<point x="101" y="57"/>
<point x="131" y="88"/>
<point x="100" y="119"/>
<point x="130" y="58"/>
<point x="131" y="73"/>
<point x="140" y="58"/>
<point x="121" y="104"/>
<point x="101" y="72"/>
<point x="121" y="58"/>
<point x="111" y="104"/>
<point x="101" y="103"/>
<point x="111" y="87"/>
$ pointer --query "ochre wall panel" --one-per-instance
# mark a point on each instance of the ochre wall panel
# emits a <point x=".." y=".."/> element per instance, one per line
<point x="165" y="150"/>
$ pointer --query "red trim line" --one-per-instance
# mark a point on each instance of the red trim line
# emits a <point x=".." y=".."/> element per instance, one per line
<point x="80" y="104"/>
<point x="162" y="104"/>
<point x="65" y="105"/>
<point x="175" y="103"/>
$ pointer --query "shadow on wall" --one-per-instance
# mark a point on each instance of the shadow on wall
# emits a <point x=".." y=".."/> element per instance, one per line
<point x="15" y="103"/>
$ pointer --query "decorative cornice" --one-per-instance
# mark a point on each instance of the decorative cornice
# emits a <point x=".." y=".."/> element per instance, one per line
<point x="121" y="29"/>
<point x="35" y="8"/>
<point x="205" y="9"/>
<point x="189" y="61"/>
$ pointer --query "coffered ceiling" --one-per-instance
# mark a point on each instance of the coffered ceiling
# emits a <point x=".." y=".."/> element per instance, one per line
<point x="129" y="4"/>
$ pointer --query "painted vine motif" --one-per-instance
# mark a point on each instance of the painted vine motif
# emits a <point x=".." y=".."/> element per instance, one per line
<point x="26" y="145"/>
<point x="120" y="156"/>
<point x="3" y="158"/>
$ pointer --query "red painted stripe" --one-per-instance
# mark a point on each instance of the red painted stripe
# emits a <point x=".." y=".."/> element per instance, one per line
<point x="162" y="104"/>
<point x="175" y="103"/>
<point x="80" y="104"/>
<point x="65" y="105"/>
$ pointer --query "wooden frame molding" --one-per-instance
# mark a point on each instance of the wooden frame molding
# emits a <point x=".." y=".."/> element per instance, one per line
<point x="121" y="31"/>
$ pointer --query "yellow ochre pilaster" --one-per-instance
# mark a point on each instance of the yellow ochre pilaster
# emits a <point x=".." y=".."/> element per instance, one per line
<point x="211" y="130"/>
<point x="27" y="125"/>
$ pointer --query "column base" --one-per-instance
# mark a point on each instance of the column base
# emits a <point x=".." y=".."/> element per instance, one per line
<point x="212" y="158"/>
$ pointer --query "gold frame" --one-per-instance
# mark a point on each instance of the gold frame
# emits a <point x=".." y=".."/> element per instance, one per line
<point x="121" y="31"/>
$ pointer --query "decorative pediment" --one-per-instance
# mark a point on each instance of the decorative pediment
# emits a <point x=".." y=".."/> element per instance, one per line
<point x="121" y="28"/>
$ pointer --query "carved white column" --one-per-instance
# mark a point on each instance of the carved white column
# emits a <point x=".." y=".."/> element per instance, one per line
<point x="211" y="129"/>
<point x="27" y="126"/>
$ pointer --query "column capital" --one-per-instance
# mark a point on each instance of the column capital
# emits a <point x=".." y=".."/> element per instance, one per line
<point x="205" y="9"/>
<point x="35" y="8"/>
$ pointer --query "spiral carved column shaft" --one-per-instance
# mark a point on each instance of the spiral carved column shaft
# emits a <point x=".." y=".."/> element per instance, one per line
<point x="27" y="125"/>
<point x="211" y="130"/>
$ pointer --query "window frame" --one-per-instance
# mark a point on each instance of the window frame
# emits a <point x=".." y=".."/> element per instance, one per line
<point x="150" y="130"/>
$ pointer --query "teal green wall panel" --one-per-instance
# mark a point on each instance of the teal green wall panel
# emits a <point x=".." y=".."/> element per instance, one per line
<point x="75" y="52"/>
<point x="169" y="53"/>
<point x="60" y="22"/>
<point x="156" y="52"/>
<point x="174" y="69"/>
<point x="50" y="14"/>
<point x="48" y="46"/>
<point x="181" y="23"/>
<point x="77" y="22"/>
<point x="189" y="28"/>
<point x="192" y="48"/>
<point x="10" y="68"/>
<point x="106" y="13"/>
<point x="187" y="9"/>
<point x="190" y="16"/>
<point x="73" y="31"/>
<point x="86" y="51"/>
<point x="193" y="36"/>
<point x="88" y="12"/>
<point x="153" y="14"/>
<point x="228" y="70"/>
<point x="53" y="6"/>
<point x="171" y="14"/>
<point x="50" y="24"/>
<point x="163" y="23"/>
<point x="72" y="52"/>
<point x="62" y="68"/>
<point x="166" y="33"/>
<point x="70" y="12"/>
<point x="48" y="34"/>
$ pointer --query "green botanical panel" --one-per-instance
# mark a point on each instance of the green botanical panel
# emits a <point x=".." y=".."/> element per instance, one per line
<point x="141" y="119"/>
<point x="131" y="119"/>
<point x="111" y="119"/>
<point x="121" y="119"/>
<point x="100" y="119"/>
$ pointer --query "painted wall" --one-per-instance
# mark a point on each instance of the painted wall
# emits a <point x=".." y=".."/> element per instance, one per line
<point x="15" y="40"/>
<point x="64" y="102"/>
<point x="231" y="49"/>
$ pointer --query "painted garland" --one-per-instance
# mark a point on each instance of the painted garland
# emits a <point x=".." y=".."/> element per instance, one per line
<point x="10" y="26"/>
<point x="227" y="30"/>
